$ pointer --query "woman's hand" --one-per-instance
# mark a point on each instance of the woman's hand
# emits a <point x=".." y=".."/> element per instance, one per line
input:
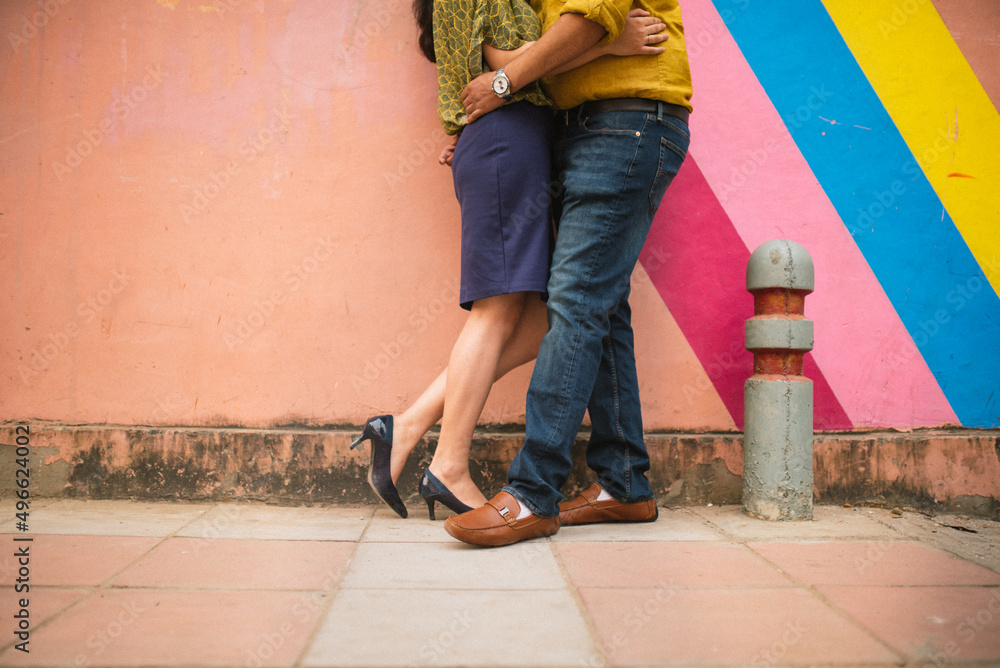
<point x="640" y="36"/>
<point x="448" y="151"/>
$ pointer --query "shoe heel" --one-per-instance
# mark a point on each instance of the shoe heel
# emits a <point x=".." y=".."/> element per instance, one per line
<point x="432" y="490"/>
<point x="367" y="434"/>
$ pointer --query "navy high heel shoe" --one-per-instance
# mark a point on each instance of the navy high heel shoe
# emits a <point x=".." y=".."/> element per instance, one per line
<point x="432" y="490"/>
<point x="378" y="430"/>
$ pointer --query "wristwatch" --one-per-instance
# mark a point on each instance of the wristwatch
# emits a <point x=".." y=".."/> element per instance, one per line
<point x="501" y="85"/>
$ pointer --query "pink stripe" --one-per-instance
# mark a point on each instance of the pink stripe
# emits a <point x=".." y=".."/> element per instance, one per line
<point x="765" y="185"/>
<point x="698" y="264"/>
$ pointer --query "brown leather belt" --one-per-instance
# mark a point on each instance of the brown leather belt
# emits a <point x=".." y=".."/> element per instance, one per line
<point x="594" y="107"/>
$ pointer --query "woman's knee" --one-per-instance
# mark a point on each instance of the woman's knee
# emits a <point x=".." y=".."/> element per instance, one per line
<point x="501" y="312"/>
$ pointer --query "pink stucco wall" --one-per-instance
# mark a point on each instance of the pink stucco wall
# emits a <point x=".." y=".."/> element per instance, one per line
<point x="231" y="214"/>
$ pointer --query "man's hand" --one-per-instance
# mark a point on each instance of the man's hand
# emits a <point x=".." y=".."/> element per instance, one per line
<point x="568" y="38"/>
<point x="639" y="38"/>
<point x="478" y="97"/>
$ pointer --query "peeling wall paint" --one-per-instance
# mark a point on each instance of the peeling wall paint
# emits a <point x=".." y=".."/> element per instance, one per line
<point x="928" y="469"/>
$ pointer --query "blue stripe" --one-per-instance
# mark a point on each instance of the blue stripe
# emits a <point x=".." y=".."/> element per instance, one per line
<point x="881" y="194"/>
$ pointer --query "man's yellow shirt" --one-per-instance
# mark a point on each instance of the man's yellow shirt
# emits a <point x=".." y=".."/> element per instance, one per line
<point x="665" y="77"/>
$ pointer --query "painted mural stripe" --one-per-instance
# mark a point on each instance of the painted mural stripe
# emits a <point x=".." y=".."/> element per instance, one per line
<point x="869" y="175"/>
<point x="698" y="262"/>
<point x="768" y="191"/>
<point x="975" y="27"/>
<point x="939" y="107"/>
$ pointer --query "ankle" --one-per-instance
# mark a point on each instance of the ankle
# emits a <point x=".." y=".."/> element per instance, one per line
<point x="449" y="472"/>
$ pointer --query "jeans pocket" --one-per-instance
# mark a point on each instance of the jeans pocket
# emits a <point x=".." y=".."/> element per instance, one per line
<point x="674" y="142"/>
<point x="626" y="123"/>
<point x="664" y="173"/>
<point x="678" y="126"/>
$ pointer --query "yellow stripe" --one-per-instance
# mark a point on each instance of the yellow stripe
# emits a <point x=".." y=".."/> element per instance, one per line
<point x="939" y="107"/>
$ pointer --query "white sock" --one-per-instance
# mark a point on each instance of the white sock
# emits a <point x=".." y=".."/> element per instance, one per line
<point x="604" y="496"/>
<point x="524" y="513"/>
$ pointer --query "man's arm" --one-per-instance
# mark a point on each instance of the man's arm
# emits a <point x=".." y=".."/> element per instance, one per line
<point x="568" y="38"/>
<point x="638" y="38"/>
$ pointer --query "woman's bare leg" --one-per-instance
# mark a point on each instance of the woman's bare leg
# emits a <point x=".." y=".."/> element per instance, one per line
<point x="471" y="370"/>
<point x="428" y="409"/>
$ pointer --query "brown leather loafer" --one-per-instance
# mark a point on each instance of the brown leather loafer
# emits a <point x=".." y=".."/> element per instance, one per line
<point x="586" y="509"/>
<point x="494" y="524"/>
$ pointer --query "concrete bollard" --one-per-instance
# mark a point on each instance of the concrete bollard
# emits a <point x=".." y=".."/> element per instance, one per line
<point x="778" y="399"/>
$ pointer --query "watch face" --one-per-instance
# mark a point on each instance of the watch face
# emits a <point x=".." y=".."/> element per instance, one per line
<point x="500" y="85"/>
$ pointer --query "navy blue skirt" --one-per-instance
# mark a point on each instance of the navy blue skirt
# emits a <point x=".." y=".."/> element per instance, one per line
<point x="503" y="182"/>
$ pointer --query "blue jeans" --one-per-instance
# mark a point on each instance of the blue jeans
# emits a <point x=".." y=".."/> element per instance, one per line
<point x="615" y="169"/>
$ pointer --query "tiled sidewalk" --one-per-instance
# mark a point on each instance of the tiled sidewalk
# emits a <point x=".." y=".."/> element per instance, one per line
<point x="121" y="583"/>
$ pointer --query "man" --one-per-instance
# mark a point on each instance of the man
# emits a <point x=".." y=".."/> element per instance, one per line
<point x="625" y="137"/>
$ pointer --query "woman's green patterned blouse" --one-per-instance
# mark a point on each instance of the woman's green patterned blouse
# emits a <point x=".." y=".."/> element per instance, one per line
<point x="460" y="28"/>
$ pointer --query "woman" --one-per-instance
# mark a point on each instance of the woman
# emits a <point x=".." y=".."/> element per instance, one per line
<point x="502" y="178"/>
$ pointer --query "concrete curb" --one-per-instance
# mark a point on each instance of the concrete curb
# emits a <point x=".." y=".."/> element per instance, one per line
<point x="945" y="469"/>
